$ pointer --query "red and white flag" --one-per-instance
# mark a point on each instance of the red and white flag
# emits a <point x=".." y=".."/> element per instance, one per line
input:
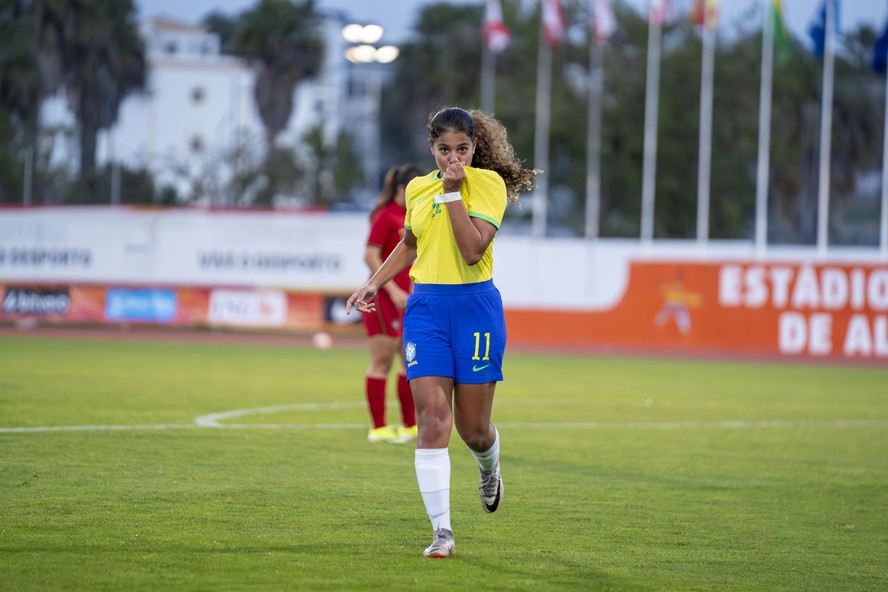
<point x="496" y="35"/>
<point x="658" y="11"/>
<point x="554" y="26"/>
<point x="705" y="13"/>
<point x="604" y="24"/>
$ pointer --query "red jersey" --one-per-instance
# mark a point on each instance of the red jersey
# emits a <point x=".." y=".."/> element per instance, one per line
<point x="386" y="231"/>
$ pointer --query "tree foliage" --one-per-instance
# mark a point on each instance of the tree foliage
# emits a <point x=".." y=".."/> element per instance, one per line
<point x="438" y="67"/>
<point x="21" y="82"/>
<point x="102" y="60"/>
<point x="282" y="38"/>
<point x="441" y="65"/>
<point x="89" y="48"/>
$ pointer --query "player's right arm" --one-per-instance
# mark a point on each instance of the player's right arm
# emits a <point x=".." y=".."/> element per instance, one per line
<point x="373" y="259"/>
<point x="402" y="256"/>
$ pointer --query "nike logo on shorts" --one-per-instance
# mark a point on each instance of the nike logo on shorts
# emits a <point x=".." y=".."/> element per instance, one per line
<point x="477" y="369"/>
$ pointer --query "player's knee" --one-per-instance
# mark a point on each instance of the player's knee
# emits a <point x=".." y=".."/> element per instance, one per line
<point x="380" y="367"/>
<point x="433" y="423"/>
<point x="475" y="437"/>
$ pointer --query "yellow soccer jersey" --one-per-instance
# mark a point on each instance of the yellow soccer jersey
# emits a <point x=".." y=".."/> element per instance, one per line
<point x="438" y="260"/>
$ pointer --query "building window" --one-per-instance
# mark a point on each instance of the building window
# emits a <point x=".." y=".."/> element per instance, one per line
<point x="170" y="47"/>
<point x="198" y="94"/>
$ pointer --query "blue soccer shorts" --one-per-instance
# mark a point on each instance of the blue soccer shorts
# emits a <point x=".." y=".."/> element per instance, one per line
<point x="455" y="330"/>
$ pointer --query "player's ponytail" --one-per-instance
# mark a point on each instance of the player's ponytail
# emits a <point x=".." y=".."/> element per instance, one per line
<point x="395" y="177"/>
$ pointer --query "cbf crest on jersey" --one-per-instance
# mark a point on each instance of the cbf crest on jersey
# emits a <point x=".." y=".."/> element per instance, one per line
<point x="410" y="353"/>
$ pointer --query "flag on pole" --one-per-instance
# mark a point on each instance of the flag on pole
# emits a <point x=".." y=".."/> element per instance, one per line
<point x="772" y="26"/>
<point x="604" y="24"/>
<point x="553" y="30"/>
<point x="781" y="36"/>
<point x="824" y="30"/>
<point x="705" y="13"/>
<point x="496" y="35"/>
<point x="656" y="17"/>
<point x="817" y="28"/>
<point x="658" y="11"/>
<point x="706" y="16"/>
<point x="879" y="62"/>
<point x="554" y="25"/>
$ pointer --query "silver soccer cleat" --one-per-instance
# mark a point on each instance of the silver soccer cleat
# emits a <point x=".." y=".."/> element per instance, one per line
<point x="490" y="488"/>
<point x="443" y="545"/>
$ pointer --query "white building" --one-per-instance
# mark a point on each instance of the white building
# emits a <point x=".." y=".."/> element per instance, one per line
<point x="195" y="110"/>
<point x="197" y="122"/>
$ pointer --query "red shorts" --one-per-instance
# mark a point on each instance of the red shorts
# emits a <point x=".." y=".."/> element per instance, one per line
<point x="386" y="320"/>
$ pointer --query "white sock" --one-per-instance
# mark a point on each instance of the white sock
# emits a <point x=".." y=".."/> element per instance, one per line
<point x="488" y="459"/>
<point x="433" y="476"/>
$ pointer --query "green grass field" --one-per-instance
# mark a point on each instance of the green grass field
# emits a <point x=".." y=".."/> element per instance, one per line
<point x="621" y="474"/>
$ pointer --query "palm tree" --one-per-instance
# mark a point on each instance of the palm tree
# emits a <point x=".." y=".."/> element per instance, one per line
<point x="21" y="84"/>
<point x="22" y="88"/>
<point x="281" y="37"/>
<point x="102" y="61"/>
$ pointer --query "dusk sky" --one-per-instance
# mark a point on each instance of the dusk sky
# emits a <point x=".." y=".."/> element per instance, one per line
<point x="397" y="16"/>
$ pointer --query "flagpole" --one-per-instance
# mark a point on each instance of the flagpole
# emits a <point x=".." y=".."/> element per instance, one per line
<point x="883" y="225"/>
<point x="593" y="155"/>
<point x="28" y="181"/>
<point x="826" y="130"/>
<point x="488" y="74"/>
<point x="496" y="38"/>
<point x="651" y="108"/>
<point x="763" y="171"/>
<point x="541" y="133"/>
<point x="705" y="140"/>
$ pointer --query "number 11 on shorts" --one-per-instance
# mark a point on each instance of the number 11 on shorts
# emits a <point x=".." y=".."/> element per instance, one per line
<point x="478" y="345"/>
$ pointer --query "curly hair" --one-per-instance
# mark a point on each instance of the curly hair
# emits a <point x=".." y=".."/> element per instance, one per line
<point x="492" y="148"/>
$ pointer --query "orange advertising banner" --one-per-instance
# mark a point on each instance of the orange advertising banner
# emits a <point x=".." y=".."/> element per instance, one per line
<point x="790" y="309"/>
<point x="769" y="308"/>
<point x="239" y="308"/>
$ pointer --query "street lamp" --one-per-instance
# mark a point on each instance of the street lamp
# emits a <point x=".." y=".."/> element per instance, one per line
<point x="357" y="33"/>
<point x="367" y="54"/>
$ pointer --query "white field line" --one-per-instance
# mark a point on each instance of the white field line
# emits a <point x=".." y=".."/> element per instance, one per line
<point x="214" y="421"/>
<point x="98" y="428"/>
<point x="702" y="425"/>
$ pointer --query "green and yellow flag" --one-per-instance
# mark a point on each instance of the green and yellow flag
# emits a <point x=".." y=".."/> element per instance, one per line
<point x="781" y="36"/>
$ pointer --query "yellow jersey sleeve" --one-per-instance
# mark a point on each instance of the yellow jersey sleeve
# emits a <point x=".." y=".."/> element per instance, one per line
<point x="485" y="195"/>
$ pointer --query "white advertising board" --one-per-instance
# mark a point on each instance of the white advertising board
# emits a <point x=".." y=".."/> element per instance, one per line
<point x="300" y="251"/>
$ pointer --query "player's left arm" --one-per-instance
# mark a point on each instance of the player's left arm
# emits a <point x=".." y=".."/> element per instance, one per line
<point x="472" y="235"/>
<point x="473" y="232"/>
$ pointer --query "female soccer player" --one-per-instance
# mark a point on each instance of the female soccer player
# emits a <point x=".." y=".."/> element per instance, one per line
<point x="454" y="327"/>
<point x="384" y="326"/>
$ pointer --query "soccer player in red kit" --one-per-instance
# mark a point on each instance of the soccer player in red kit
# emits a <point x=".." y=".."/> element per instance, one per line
<point x="384" y="326"/>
